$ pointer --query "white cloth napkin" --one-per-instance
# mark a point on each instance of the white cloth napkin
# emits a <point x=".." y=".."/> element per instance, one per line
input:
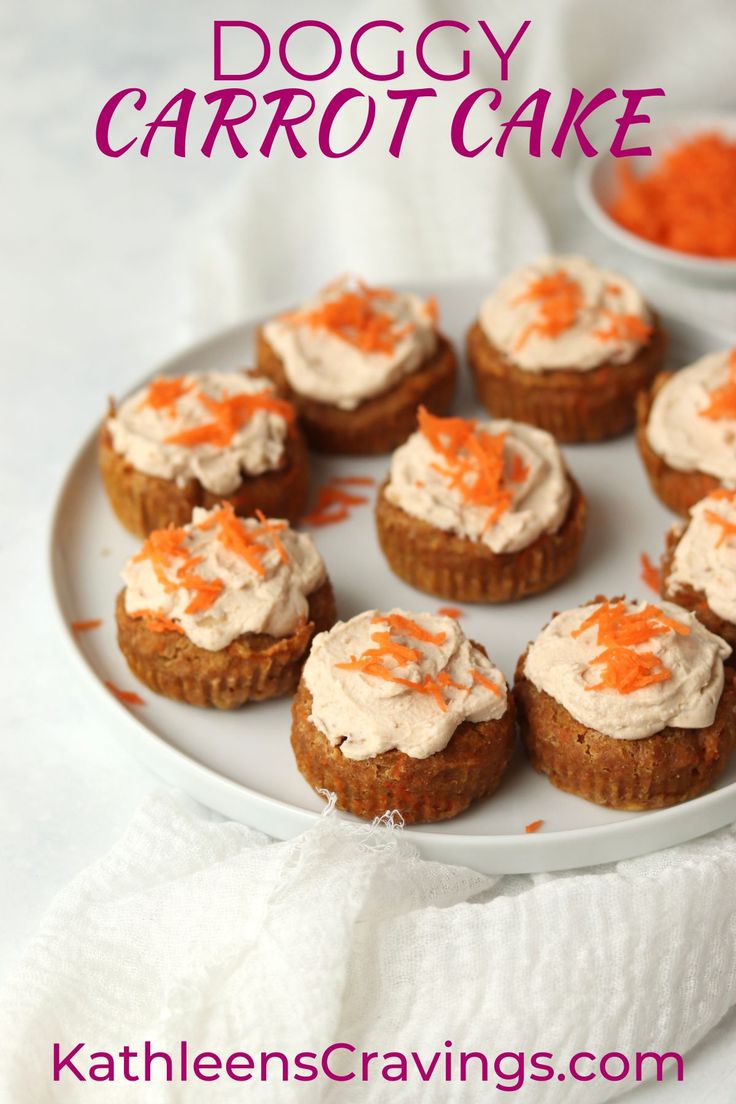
<point x="200" y="929"/>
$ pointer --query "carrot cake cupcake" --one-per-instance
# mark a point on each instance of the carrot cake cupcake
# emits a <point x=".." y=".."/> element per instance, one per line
<point x="627" y="704"/>
<point x="356" y="361"/>
<point x="222" y="611"/>
<point x="699" y="564"/>
<point x="566" y="346"/>
<point x="401" y="711"/>
<point x="480" y="512"/>
<point x="687" y="428"/>
<point x="198" y="439"/>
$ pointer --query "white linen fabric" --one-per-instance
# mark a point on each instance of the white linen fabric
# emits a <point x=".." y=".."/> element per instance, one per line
<point x="201" y="929"/>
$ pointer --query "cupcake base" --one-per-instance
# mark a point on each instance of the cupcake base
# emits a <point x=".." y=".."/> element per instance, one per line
<point x="694" y="600"/>
<point x="452" y="567"/>
<point x="573" y="406"/>
<point x="661" y="770"/>
<point x="379" y="424"/>
<point x="678" y="490"/>
<point x="144" y="502"/>
<point x="422" y="790"/>
<point x="253" y="667"/>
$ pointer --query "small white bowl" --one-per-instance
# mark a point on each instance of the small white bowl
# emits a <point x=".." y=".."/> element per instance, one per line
<point x="595" y="187"/>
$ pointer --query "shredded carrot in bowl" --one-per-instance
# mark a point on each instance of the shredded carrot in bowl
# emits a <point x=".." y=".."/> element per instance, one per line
<point x="687" y="201"/>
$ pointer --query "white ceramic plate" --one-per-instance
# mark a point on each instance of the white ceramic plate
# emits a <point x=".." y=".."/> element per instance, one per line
<point x="595" y="186"/>
<point x="241" y="763"/>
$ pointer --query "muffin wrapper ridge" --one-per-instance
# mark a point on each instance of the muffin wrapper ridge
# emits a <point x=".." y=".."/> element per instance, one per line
<point x="379" y="424"/>
<point x="573" y="406"/>
<point x="253" y="667"/>
<point x="658" y="771"/>
<point x="678" y="490"/>
<point x="421" y="790"/>
<point x="145" y="502"/>
<point x="452" y="567"/>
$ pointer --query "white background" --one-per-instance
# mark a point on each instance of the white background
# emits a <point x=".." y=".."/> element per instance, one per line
<point x="105" y="269"/>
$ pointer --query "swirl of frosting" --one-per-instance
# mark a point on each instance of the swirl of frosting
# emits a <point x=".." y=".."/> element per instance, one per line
<point x="352" y="342"/>
<point x="399" y="680"/>
<point x="692" y="423"/>
<point x="566" y="313"/>
<point x="212" y="426"/>
<point x="221" y="576"/>
<point x="499" y="482"/>
<point x="705" y="555"/>
<point x="630" y="669"/>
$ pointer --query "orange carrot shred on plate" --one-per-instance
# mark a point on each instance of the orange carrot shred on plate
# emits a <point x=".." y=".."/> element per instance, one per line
<point x="650" y="575"/>
<point x="450" y="611"/>
<point x="85" y="626"/>
<point x="687" y="200"/>
<point x="332" y="505"/>
<point x="534" y="826"/>
<point x="128" y="697"/>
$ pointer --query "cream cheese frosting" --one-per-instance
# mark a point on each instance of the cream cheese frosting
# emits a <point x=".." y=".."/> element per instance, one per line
<point x="427" y="679"/>
<point x="169" y="439"/>
<point x="222" y="576"/>
<point x="565" y="312"/>
<point x="428" y="484"/>
<point x="688" y="661"/>
<point x="682" y="433"/>
<point x="350" y="342"/>
<point x="705" y="556"/>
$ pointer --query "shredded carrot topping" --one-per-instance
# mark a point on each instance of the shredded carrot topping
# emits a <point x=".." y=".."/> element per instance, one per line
<point x="722" y="400"/>
<point x="485" y="681"/>
<point x="229" y="414"/>
<point x="450" y="611"/>
<point x="623" y="327"/>
<point x="163" y="393"/>
<point x="474" y="462"/>
<point x="129" y="697"/>
<point x="616" y="626"/>
<point x="534" y="826"/>
<point x="372" y="662"/>
<point x="85" y="626"/>
<point x="559" y="298"/>
<point x="355" y="318"/>
<point x="272" y="528"/>
<point x="687" y="201"/>
<point x="411" y="629"/>
<point x="161" y="547"/>
<point x="650" y="575"/>
<point x="728" y="528"/>
<point x="625" y="669"/>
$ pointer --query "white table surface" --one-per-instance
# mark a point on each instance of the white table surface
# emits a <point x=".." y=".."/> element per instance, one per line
<point x="92" y="293"/>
